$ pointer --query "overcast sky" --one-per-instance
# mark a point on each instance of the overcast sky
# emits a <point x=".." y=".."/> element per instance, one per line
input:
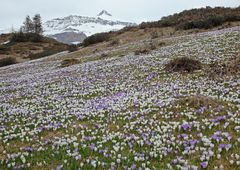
<point x="13" y="12"/>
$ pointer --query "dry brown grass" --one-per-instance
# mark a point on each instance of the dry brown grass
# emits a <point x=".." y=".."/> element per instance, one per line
<point x="199" y="101"/>
<point x="2" y="156"/>
<point x="218" y="70"/>
<point x="49" y="134"/>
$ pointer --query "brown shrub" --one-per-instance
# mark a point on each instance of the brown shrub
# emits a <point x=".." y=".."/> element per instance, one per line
<point x="142" y="51"/>
<point x="72" y="48"/>
<point x="104" y="55"/>
<point x="114" y="42"/>
<point x="161" y="44"/>
<point x="69" y="61"/>
<point x="154" y="34"/>
<point x="183" y="64"/>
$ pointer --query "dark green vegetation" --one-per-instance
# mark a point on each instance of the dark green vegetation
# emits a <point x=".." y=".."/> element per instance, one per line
<point x="202" y="18"/>
<point x="33" y="25"/>
<point x="7" y="61"/>
<point x="72" y="48"/>
<point x="26" y="37"/>
<point x="96" y="38"/>
<point x="4" y="49"/>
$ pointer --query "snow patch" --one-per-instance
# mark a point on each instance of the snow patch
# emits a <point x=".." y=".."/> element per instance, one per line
<point x="6" y="42"/>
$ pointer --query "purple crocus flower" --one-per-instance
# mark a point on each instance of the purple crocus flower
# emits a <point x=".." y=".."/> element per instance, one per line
<point x="219" y="118"/>
<point x="228" y="146"/>
<point x="192" y="142"/>
<point x="92" y="146"/>
<point x="184" y="135"/>
<point x="216" y="137"/>
<point x="204" y="164"/>
<point x="186" y="126"/>
<point x="133" y="167"/>
<point x="221" y="145"/>
<point x="59" y="167"/>
<point x="174" y="161"/>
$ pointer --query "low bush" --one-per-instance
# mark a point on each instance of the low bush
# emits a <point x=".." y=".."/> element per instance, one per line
<point x="4" y="49"/>
<point x="45" y="53"/>
<point x="69" y="62"/>
<point x="142" y="51"/>
<point x="72" y="48"/>
<point x="154" y="35"/>
<point x="103" y="55"/>
<point x="153" y="46"/>
<point x="162" y="43"/>
<point x="203" y="24"/>
<point x="114" y="42"/>
<point x="183" y="64"/>
<point x="26" y="37"/>
<point x="7" y="61"/>
<point x="96" y="38"/>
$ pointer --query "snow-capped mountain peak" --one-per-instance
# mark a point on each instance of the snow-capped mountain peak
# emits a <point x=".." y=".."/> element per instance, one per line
<point x="104" y="12"/>
<point x="103" y="22"/>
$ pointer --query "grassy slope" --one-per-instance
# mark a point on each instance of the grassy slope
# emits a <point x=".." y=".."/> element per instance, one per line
<point x="115" y="108"/>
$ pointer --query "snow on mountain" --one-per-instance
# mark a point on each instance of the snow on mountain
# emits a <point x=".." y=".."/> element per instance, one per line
<point x="103" y="22"/>
<point x="73" y="28"/>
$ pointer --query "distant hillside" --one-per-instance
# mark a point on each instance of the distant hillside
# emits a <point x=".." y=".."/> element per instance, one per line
<point x="69" y="37"/>
<point x="24" y="47"/>
<point x="197" y="18"/>
<point x="177" y="24"/>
